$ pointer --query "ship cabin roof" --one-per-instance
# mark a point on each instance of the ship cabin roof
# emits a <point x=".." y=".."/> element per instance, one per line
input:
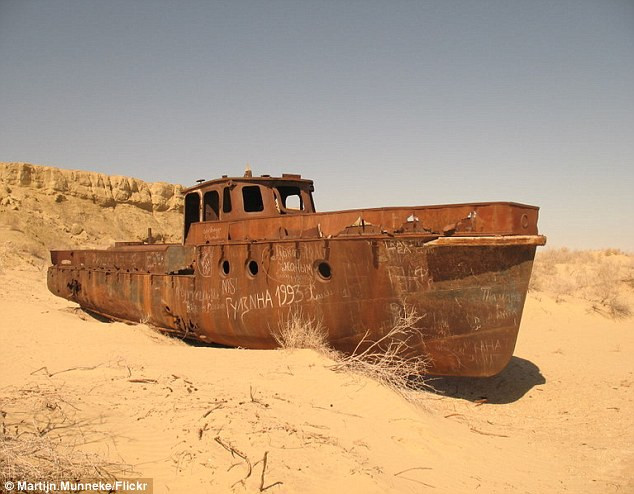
<point x="237" y="198"/>
<point x="285" y="179"/>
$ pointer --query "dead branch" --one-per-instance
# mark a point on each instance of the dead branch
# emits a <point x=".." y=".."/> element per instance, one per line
<point x="410" y="469"/>
<point x="219" y="405"/>
<point x="235" y="452"/>
<point x="264" y="462"/>
<point x="414" y="480"/>
<point x="202" y="430"/>
<point x="337" y="411"/>
<point x="256" y="400"/>
<point x="473" y="429"/>
<point x="454" y="415"/>
<point x="51" y="374"/>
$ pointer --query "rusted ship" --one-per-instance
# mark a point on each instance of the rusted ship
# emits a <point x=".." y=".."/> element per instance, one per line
<point x="255" y="252"/>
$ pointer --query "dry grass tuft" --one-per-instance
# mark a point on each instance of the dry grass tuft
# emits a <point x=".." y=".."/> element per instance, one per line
<point x="299" y="331"/>
<point x="388" y="360"/>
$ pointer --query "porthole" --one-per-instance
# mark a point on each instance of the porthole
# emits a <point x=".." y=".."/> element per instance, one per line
<point x="252" y="268"/>
<point x="323" y="270"/>
<point x="524" y="220"/>
<point x="225" y="267"/>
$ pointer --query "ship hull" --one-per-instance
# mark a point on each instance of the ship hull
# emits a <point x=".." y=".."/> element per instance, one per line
<point x="467" y="293"/>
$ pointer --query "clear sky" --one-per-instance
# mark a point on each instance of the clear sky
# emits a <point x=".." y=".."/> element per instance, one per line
<point x="380" y="102"/>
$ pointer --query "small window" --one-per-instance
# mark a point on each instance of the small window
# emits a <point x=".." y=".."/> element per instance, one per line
<point x="252" y="267"/>
<point x="226" y="200"/>
<point x="225" y="266"/>
<point x="252" y="198"/>
<point x="192" y="210"/>
<point x="291" y="198"/>
<point x="323" y="270"/>
<point x="293" y="202"/>
<point x="212" y="205"/>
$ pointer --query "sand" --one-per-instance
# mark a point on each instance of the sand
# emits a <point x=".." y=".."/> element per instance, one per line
<point x="560" y="418"/>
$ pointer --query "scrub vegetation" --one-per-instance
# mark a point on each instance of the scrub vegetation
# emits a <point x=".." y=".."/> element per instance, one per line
<point x="42" y="440"/>
<point x="385" y="360"/>
<point x="603" y="278"/>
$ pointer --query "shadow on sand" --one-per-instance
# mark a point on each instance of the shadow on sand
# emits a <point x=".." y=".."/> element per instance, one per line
<point x="519" y="377"/>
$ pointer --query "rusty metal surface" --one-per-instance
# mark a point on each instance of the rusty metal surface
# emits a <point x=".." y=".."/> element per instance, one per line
<point x="464" y="269"/>
<point x="159" y="258"/>
<point x="468" y="219"/>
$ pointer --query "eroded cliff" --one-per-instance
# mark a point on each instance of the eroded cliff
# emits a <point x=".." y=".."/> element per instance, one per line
<point x="43" y="208"/>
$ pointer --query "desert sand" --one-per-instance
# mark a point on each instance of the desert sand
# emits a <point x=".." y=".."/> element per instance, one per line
<point x="559" y="418"/>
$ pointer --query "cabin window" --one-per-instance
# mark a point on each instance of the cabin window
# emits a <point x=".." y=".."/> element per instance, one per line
<point x="252" y="199"/>
<point x="226" y="200"/>
<point x="211" y="202"/>
<point x="192" y="210"/>
<point x="291" y="198"/>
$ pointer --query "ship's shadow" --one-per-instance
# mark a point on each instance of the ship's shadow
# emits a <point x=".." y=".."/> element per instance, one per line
<point x="519" y="377"/>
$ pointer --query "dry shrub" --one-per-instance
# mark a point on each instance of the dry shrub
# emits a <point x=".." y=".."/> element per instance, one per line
<point x="40" y="439"/>
<point x="32" y="458"/>
<point x="299" y="331"/>
<point x="388" y="360"/>
<point x="607" y="289"/>
<point x="599" y="277"/>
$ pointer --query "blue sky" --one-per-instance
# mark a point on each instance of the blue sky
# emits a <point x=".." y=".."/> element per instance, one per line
<point x="381" y="103"/>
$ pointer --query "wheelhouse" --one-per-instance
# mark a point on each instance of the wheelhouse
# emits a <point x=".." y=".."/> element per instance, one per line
<point x="238" y="198"/>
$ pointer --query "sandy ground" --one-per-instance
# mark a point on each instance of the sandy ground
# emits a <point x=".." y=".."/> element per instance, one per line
<point x="560" y="418"/>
